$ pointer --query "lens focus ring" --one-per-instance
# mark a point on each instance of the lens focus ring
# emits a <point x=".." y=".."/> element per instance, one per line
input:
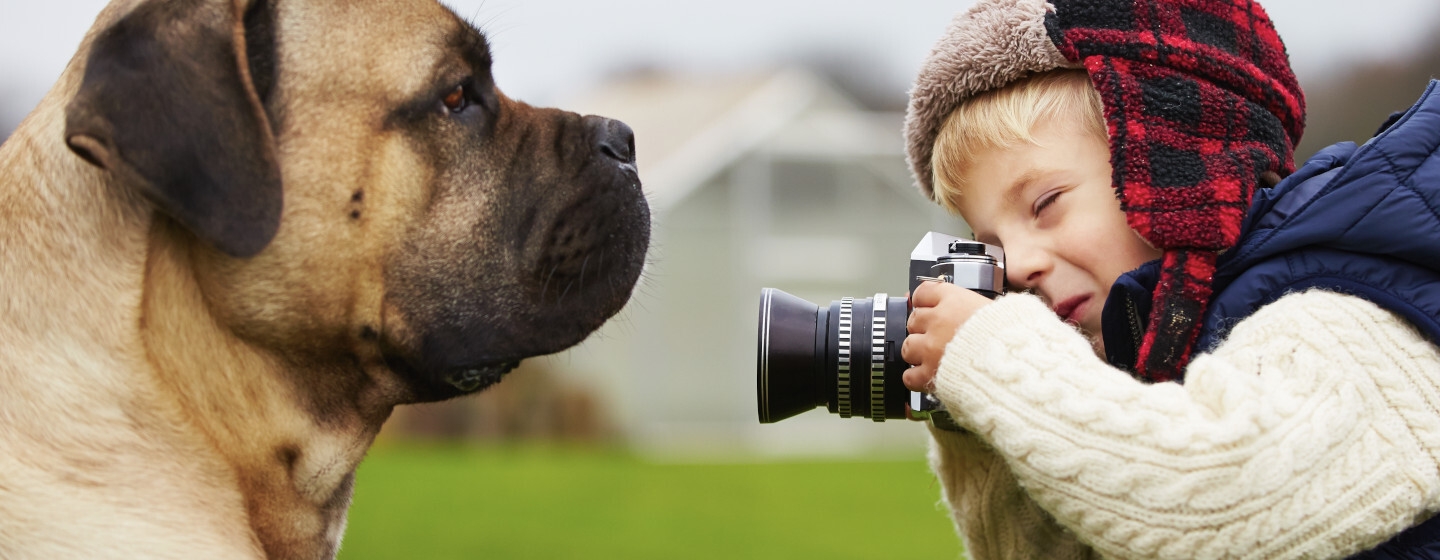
<point x="842" y="377"/>
<point x="877" y="358"/>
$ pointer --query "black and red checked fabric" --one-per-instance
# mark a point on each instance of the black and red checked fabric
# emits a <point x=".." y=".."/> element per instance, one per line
<point x="1200" y="103"/>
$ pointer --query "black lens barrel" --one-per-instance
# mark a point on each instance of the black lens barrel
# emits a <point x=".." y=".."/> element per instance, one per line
<point x="801" y="347"/>
<point x="790" y="372"/>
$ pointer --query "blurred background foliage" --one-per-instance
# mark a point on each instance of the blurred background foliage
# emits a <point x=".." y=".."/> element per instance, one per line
<point x="1353" y="102"/>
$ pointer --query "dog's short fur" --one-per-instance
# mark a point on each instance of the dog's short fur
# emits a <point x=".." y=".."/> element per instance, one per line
<point x="237" y="233"/>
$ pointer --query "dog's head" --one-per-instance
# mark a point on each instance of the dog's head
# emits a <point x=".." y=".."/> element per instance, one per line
<point x="346" y="181"/>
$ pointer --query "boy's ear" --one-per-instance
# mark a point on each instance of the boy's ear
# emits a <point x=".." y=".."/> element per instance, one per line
<point x="168" y="106"/>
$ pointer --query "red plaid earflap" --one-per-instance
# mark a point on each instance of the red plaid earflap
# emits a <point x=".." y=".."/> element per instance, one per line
<point x="1200" y="102"/>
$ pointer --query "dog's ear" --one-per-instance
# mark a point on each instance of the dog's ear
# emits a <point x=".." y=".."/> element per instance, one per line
<point x="169" y="104"/>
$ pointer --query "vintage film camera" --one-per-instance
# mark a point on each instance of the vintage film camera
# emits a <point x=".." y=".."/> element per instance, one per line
<point x="846" y="357"/>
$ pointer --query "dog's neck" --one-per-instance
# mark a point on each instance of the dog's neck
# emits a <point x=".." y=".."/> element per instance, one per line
<point x="293" y="428"/>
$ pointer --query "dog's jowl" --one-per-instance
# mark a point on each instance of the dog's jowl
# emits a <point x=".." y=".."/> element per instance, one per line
<point x="237" y="233"/>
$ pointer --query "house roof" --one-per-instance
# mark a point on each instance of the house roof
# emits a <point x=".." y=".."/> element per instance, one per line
<point x="688" y="128"/>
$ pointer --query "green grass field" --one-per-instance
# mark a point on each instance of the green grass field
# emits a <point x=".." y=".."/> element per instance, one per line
<point x="437" y="502"/>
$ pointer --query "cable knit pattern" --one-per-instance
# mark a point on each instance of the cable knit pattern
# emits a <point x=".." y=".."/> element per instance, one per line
<point x="996" y="518"/>
<point x="1313" y="432"/>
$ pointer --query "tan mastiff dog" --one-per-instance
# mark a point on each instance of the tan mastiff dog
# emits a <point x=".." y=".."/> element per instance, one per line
<point x="237" y="233"/>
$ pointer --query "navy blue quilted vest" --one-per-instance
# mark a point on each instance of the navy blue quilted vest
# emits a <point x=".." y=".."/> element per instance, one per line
<point x="1363" y="221"/>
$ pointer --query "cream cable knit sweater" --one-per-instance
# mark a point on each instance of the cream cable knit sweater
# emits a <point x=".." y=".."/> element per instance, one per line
<point x="1312" y="432"/>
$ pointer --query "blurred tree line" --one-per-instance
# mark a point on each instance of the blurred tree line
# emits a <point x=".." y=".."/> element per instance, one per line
<point x="531" y="403"/>
<point x="1351" y="104"/>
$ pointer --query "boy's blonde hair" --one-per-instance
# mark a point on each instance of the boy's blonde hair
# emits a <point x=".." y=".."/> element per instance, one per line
<point x="1007" y="116"/>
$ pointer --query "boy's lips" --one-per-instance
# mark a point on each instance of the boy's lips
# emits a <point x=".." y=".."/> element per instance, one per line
<point x="1069" y="310"/>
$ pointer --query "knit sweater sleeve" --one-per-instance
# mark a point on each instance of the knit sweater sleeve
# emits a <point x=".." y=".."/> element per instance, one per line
<point x="1313" y="431"/>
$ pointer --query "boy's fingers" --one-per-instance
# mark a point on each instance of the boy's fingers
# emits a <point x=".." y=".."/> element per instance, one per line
<point x="922" y="296"/>
<point x="928" y="294"/>
<point x="918" y="378"/>
<point x="905" y="351"/>
<point x="915" y="324"/>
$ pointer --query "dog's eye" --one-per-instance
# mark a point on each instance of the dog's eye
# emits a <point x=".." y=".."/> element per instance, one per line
<point x="456" y="101"/>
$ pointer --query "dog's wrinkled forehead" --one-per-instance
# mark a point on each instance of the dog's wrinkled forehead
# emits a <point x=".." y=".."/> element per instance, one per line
<point x="415" y="44"/>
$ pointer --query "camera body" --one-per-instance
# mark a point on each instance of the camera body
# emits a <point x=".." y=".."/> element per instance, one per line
<point x="846" y="357"/>
<point x="977" y="266"/>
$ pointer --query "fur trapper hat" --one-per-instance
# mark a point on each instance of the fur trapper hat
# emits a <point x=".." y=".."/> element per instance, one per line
<point x="1199" y="102"/>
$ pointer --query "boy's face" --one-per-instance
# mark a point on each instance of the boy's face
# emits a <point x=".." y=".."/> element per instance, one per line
<point x="1052" y="207"/>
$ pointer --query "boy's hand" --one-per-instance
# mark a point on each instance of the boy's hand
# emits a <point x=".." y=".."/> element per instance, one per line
<point x="938" y="309"/>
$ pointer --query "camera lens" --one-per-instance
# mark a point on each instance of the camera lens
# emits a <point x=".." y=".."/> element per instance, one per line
<point x="845" y="357"/>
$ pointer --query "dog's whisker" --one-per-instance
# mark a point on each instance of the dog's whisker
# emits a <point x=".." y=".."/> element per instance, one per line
<point x="546" y="287"/>
<point x="567" y="291"/>
<point x="609" y="278"/>
<point x="583" y="263"/>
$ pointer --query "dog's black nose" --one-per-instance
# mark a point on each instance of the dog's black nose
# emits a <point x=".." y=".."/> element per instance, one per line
<point x="613" y="138"/>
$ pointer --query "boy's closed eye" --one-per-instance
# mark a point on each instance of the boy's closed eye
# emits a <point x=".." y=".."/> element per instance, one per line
<point x="1045" y="202"/>
<point x="1049" y="197"/>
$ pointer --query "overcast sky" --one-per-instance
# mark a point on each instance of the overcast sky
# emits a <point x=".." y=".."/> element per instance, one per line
<point x="547" y="50"/>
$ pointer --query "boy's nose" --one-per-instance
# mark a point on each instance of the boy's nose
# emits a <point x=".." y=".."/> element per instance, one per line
<point x="1025" y="267"/>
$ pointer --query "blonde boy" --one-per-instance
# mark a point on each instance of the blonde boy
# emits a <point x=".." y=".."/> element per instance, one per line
<point x="1125" y="155"/>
